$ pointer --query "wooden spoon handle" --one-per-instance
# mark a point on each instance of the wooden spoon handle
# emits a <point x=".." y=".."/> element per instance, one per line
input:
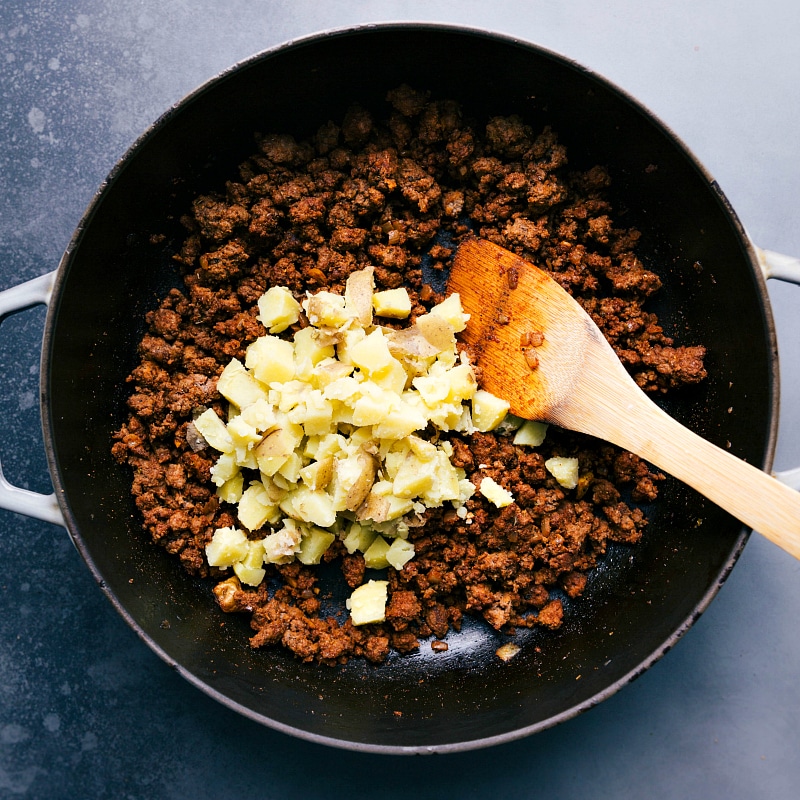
<point x="760" y="501"/>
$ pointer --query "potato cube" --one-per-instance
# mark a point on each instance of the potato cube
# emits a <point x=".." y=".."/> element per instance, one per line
<point x="250" y="569"/>
<point x="309" y="348"/>
<point x="367" y="604"/>
<point x="314" y="506"/>
<point x="403" y="421"/>
<point x="318" y="474"/>
<point x="214" y="431"/>
<point x="488" y="411"/>
<point x="282" y="546"/>
<point x="329" y="370"/>
<point x="400" y="553"/>
<point x="462" y="383"/>
<point x="359" y="538"/>
<point x="372" y="354"/>
<point x="495" y="493"/>
<point x="415" y="477"/>
<point x="227" y="546"/>
<point x="326" y="310"/>
<point x="277" y="309"/>
<point x="231" y="490"/>
<point x="237" y="385"/>
<point x="375" y="555"/>
<point x="271" y="359"/>
<point x="313" y="545"/>
<point x="564" y="470"/>
<point x="273" y="450"/>
<point x="261" y="415"/>
<point x="224" y="469"/>
<point x="349" y="338"/>
<point x="451" y="310"/>
<point x="446" y="482"/>
<point x="393" y="303"/>
<point x="531" y="433"/>
<point x="393" y="379"/>
<point x="316" y="415"/>
<point x="254" y="508"/>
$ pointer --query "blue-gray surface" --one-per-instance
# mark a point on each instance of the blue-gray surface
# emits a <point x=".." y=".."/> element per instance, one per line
<point x="87" y="711"/>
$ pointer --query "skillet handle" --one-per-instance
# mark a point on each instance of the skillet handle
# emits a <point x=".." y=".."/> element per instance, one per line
<point x="12" y="498"/>
<point x="778" y="266"/>
<point x="782" y="268"/>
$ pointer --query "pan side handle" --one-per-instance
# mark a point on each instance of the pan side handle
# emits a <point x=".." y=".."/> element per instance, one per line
<point x="782" y="268"/>
<point x="32" y="504"/>
<point x="778" y="266"/>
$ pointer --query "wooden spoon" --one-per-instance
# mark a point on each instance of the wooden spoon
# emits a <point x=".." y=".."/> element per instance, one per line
<point x="572" y="378"/>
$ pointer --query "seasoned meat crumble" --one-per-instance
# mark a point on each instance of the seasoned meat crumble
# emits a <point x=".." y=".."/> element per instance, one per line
<point x="399" y="193"/>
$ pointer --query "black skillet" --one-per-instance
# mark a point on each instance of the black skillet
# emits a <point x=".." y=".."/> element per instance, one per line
<point x="638" y="603"/>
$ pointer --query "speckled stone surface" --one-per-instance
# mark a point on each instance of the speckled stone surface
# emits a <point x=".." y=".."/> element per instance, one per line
<point x="87" y="710"/>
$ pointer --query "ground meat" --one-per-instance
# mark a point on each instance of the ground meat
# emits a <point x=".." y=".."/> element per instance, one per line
<point x="399" y="192"/>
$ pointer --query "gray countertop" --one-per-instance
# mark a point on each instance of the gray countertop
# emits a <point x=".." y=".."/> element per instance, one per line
<point x="87" y="710"/>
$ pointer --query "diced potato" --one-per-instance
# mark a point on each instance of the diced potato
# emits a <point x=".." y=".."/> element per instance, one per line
<point x="290" y="469"/>
<point x="261" y="415"/>
<point x="349" y="339"/>
<point x="393" y="303"/>
<point x="488" y="411"/>
<point x="404" y="420"/>
<point x="495" y="493"/>
<point x="375" y="556"/>
<point x="372" y="354"/>
<point x="446" y="483"/>
<point x="277" y="309"/>
<point x="231" y="490"/>
<point x="250" y="570"/>
<point x="237" y="385"/>
<point x="282" y="546"/>
<point x="224" y="469"/>
<point x="310" y="348"/>
<point x="254" y="507"/>
<point x="367" y="603"/>
<point x="318" y="474"/>
<point x="531" y="433"/>
<point x="400" y="552"/>
<point x="227" y="546"/>
<point x="451" y="310"/>
<point x="214" y="431"/>
<point x="271" y="359"/>
<point x="276" y="447"/>
<point x="393" y="379"/>
<point x="415" y="477"/>
<point x="380" y="507"/>
<point x="326" y="310"/>
<point x="313" y="545"/>
<point x="243" y="435"/>
<point x="314" y="506"/>
<point x="564" y="470"/>
<point x="359" y="538"/>
<point x="329" y="370"/>
<point x="462" y="383"/>
<point x="252" y="576"/>
<point x="432" y="388"/>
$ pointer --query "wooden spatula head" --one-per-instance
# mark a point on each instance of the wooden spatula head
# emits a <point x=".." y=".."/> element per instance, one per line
<point x="528" y="336"/>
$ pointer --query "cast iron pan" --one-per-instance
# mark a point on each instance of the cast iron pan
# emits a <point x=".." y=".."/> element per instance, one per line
<point x="638" y="602"/>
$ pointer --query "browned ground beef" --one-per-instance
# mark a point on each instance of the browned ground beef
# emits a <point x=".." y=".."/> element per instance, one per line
<point x="381" y="192"/>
